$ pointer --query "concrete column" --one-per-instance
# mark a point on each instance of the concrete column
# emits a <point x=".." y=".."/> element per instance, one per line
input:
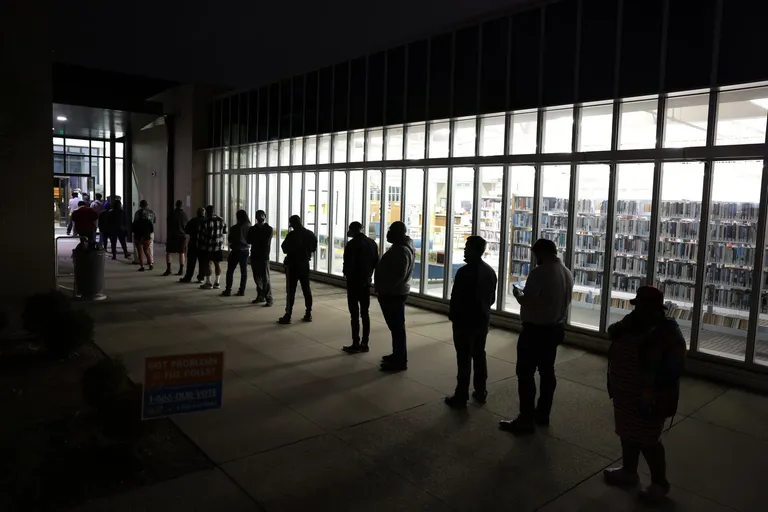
<point x="26" y="154"/>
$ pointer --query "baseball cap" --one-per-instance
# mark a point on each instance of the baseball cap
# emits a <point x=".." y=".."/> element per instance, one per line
<point x="649" y="295"/>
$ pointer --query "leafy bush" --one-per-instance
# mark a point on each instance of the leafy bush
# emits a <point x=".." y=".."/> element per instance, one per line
<point x="42" y="309"/>
<point x="59" y="327"/>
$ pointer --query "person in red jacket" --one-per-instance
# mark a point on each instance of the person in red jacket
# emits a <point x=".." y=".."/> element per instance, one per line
<point x="85" y="220"/>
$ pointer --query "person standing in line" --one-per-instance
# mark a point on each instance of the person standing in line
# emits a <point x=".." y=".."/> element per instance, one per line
<point x="298" y="247"/>
<point x="210" y="242"/>
<point x="193" y="230"/>
<point x="177" y="238"/>
<point x="115" y="225"/>
<point x="645" y="361"/>
<point x="238" y="253"/>
<point x="393" y="273"/>
<point x="361" y="255"/>
<point x="544" y="307"/>
<point x="260" y="238"/>
<point x="144" y="207"/>
<point x="85" y="221"/>
<point x="97" y="205"/>
<point x="473" y="294"/>
<point x="73" y="205"/>
<point x="142" y="233"/>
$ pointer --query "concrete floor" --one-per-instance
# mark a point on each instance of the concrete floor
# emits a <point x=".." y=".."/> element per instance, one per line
<point x="306" y="427"/>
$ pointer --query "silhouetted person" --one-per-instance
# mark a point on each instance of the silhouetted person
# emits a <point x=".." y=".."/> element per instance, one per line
<point x="144" y="207"/>
<point x="192" y="229"/>
<point x="142" y="229"/>
<point x="85" y="221"/>
<point x="474" y="292"/>
<point x="543" y="309"/>
<point x="177" y="238"/>
<point x="260" y="238"/>
<point x="298" y="247"/>
<point x="393" y="273"/>
<point x="238" y="253"/>
<point x="645" y="362"/>
<point x="209" y="243"/>
<point x="97" y="205"/>
<point x="361" y="255"/>
<point x="116" y="224"/>
<point x="73" y="205"/>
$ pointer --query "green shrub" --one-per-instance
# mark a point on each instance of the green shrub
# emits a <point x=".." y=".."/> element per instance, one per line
<point x="43" y="309"/>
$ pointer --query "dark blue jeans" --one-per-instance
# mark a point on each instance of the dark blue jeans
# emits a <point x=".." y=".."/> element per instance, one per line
<point x="393" y="309"/>
<point x="237" y="258"/>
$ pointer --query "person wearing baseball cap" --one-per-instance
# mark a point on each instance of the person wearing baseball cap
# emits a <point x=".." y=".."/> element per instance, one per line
<point x="645" y="361"/>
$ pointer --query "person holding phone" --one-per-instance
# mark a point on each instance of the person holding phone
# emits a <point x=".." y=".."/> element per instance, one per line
<point x="544" y="303"/>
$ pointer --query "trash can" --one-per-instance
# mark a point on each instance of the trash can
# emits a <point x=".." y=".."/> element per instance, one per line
<point x="88" y="259"/>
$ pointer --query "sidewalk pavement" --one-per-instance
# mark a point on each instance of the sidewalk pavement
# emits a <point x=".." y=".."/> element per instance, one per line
<point x="305" y="426"/>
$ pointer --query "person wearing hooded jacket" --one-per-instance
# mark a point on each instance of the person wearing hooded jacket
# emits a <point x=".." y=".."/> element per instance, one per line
<point x="393" y="274"/>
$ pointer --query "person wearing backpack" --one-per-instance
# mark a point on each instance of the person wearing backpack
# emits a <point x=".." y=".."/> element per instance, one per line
<point x="645" y="361"/>
<point x="142" y="229"/>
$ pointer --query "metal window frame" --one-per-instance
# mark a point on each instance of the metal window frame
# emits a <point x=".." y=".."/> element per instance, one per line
<point x="424" y="231"/>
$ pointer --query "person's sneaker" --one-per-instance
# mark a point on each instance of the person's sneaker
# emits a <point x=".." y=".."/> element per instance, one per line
<point x="141" y="269"/>
<point x="240" y="293"/>
<point x="480" y="396"/>
<point x="226" y="293"/>
<point x="269" y="304"/>
<point x="206" y="286"/>
<point x="258" y="300"/>
<point x="167" y="272"/>
<point x="307" y="317"/>
<point x="200" y="281"/>
<point x="284" y="320"/>
<point x="185" y="280"/>
<point x="216" y="286"/>
<point x="364" y="347"/>
<point x="519" y="427"/>
<point x="654" y="493"/>
<point x="180" y="272"/>
<point x="393" y="366"/>
<point x="354" y="348"/>
<point x="620" y="477"/>
<point x="455" y="402"/>
<point x="151" y="267"/>
<point x="387" y="358"/>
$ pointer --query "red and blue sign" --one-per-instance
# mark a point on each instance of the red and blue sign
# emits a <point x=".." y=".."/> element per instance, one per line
<point x="182" y="384"/>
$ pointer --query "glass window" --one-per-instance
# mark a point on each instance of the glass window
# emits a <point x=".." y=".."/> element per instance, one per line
<point x="226" y="199"/>
<point x="97" y="147"/>
<point x="730" y="256"/>
<point x="245" y="155"/>
<point x="251" y="203"/>
<point x="491" y="202"/>
<point x="78" y="164"/>
<point x="355" y="196"/>
<point x="310" y="150"/>
<point x="463" y="208"/>
<point x="437" y="209"/>
<point x="357" y="146"/>
<point x="521" y="194"/>
<point x="523" y="133"/>
<point x="373" y="207"/>
<point x="595" y="127"/>
<point x="741" y="116"/>
<point x="761" y="341"/>
<point x="308" y="216"/>
<point x="393" y="198"/>
<point x="297" y="150"/>
<point x="394" y="148"/>
<point x="414" y="202"/>
<point x="558" y="131"/>
<point x="340" y="147"/>
<point x="637" y="124"/>
<point x="78" y="147"/>
<point x="119" y="150"/>
<point x="339" y="221"/>
<point x="492" y="135"/>
<point x="58" y="146"/>
<point x="632" y="230"/>
<point x="209" y="190"/>
<point x="375" y="146"/>
<point x="324" y="153"/>
<point x="589" y="244"/>
<point x="464" y="138"/>
<point x="262" y="154"/>
<point x="296" y="186"/>
<point x="261" y="189"/>
<point x="272" y="154"/>
<point x="679" y="215"/>
<point x="285" y="153"/>
<point x="119" y="178"/>
<point x="555" y="188"/>
<point x="322" y="223"/>
<point x="686" y="121"/>
<point x="272" y="214"/>
<point x="439" y="139"/>
<point x="416" y="135"/>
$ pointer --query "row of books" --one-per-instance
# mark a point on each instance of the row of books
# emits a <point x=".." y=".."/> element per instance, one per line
<point x="550" y="204"/>
<point x="589" y="259"/>
<point x="632" y="207"/>
<point x="677" y="250"/>
<point x="630" y="265"/>
<point x="740" y="233"/>
<point x="679" y="229"/>
<point x="590" y="223"/>
<point x="727" y="298"/>
<point x="588" y="242"/>
<point x="587" y="278"/>
<point x="722" y="253"/>
<point x="586" y="297"/>
<point x="631" y="245"/>
<point x="728" y="276"/>
<point x="676" y="270"/>
<point x="550" y="222"/>
<point x="521" y="253"/>
<point x="736" y="211"/>
<point x="639" y="227"/>
<point x="629" y="284"/>
<point x="522" y="220"/>
<point x="681" y="209"/>
<point x="522" y="236"/>
<point x="559" y="237"/>
<point x="490" y="235"/>
<point x="522" y="202"/>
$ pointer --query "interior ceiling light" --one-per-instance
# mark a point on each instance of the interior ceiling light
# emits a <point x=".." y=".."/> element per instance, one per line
<point x="760" y="102"/>
<point x="61" y="118"/>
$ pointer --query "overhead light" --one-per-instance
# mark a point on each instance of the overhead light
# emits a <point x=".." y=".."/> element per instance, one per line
<point x="760" y="102"/>
<point x="61" y="118"/>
